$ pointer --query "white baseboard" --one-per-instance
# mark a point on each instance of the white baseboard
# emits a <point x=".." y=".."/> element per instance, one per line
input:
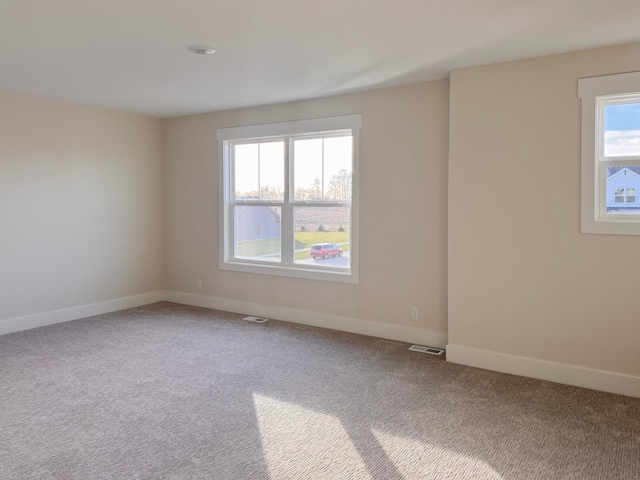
<point x="17" y="324"/>
<point x="544" y="370"/>
<point x="316" y="319"/>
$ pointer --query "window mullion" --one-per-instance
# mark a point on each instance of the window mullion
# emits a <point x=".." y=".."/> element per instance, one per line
<point x="259" y="174"/>
<point x="322" y="172"/>
<point x="229" y="179"/>
<point x="287" y="209"/>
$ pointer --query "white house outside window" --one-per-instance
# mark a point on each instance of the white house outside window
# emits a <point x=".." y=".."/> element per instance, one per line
<point x="610" y="154"/>
<point x="287" y="190"/>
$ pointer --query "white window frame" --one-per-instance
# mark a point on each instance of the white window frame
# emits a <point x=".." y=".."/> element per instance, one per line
<point x="227" y="137"/>
<point x="596" y="93"/>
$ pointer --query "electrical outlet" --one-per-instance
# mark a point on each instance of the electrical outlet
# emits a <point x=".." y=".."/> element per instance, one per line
<point x="414" y="313"/>
<point x="199" y="284"/>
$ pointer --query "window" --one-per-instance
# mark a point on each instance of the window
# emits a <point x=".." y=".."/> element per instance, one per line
<point x="610" y="154"/>
<point x="623" y="196"/>
<point x="289" y="198"/>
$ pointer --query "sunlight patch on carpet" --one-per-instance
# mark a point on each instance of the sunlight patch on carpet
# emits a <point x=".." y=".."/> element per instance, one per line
<point x="415" y="459"/>
<point x="294" y="441"/>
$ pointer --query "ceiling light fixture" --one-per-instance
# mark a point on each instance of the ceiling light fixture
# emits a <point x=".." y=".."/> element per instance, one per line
<point x="201" y="49"/>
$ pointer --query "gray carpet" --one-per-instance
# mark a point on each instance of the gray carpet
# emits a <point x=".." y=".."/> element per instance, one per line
<point x="174" y="392"/>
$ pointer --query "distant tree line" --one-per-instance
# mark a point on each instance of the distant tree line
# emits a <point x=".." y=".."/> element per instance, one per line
<point x="339" y="189"/>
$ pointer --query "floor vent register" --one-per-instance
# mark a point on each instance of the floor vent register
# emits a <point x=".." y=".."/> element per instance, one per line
<point x="423" y="349"/>
<point x="253" y="319"/>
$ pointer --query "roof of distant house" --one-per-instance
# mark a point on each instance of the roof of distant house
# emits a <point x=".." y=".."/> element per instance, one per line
<point x="614" y="170"/>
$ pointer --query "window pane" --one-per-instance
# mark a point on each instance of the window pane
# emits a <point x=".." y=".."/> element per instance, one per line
<point x="622" y="187"/>
<point x="622" y="130"/>
<point x="259" y="171"/>
<point x="323" y="236"/>
<point x="322" y="168"/>
<point x="272" y="171"/>
<point x="307" y="168"/>
<point x="257" y="233"/>
<point x="246" y="168"/>
<point x="337" y="168"/>
<point x="631" y="195"/>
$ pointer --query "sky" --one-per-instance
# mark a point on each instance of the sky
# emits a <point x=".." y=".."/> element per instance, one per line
<point x="622" y="130"/>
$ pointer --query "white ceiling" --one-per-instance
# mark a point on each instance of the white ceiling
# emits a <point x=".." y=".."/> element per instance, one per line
<point x="132" y="55"/>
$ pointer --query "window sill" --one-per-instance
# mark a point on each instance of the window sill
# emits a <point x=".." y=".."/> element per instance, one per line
<point x="292" y="272"/>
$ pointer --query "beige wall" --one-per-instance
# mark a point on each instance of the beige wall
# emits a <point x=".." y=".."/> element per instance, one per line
<point x="80" y="205"/>
<point x="403" y="185"/>
<point x="523" y="280"/>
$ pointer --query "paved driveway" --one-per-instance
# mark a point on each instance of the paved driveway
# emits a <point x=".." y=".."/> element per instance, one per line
<point x="342" y="261"/>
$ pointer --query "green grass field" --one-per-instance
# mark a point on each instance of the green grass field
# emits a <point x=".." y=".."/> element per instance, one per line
<point x="304" y="240"/>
